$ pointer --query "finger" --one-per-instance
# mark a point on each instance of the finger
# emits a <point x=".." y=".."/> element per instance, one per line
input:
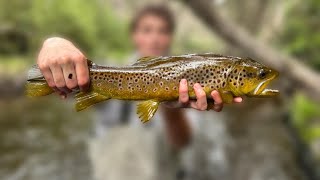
<point x="237" y="99"/>
<point x="70" y="75"/>
<point x="201" y="97"/>
<point x="183" y="92"/>
<point x="193" y="104"/>
<point x="58" y="78"/>
<point x="218" y="103"/>
<point x="82" y="73"/>
<point x="46" y="72"/>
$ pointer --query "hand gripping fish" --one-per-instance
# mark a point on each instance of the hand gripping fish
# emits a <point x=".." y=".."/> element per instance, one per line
<point x="153" y="80"/>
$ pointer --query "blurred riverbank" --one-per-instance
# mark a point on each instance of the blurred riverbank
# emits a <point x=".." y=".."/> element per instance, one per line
<point x="43" y="139"/>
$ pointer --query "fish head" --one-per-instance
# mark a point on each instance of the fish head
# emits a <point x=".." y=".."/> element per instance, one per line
<point x="251" y="78"/>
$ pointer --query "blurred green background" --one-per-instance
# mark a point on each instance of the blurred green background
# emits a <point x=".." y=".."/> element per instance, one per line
<point x="37" y="135"/>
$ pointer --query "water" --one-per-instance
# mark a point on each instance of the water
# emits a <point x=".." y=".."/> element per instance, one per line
<point x="43" y="139"/>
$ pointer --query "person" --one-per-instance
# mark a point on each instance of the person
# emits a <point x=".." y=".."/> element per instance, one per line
<point x="152" y="31"/>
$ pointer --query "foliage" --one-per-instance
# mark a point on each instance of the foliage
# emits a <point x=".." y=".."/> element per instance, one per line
<point x="90" y="24"/>
<point x="301" y="36"/>
<point x="306" y="116"/>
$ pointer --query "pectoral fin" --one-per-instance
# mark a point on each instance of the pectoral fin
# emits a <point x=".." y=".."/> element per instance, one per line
<point x="147" y="109"/>
<point x="87" y="99"/>
<point x="227" y="97"/>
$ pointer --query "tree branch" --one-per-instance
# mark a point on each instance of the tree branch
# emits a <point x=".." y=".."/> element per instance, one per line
<point x="290" y="67"/>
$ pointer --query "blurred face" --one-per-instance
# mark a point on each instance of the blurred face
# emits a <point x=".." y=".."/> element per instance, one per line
<point x="152" y="36"/>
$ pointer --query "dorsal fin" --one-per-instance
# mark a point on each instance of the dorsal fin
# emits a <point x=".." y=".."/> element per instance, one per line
<point x="143" y="60"/>
<point x="153" y="61"/>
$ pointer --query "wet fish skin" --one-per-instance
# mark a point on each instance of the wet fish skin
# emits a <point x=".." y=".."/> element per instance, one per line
<point x="156" y="80"/>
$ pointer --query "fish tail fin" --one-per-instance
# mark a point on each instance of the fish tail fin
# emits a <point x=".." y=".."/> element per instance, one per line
<point x="36" y="85"/>
<point x="34" y="73"/>
<point x="87" y="99"/>
<point x="37" y="88"/>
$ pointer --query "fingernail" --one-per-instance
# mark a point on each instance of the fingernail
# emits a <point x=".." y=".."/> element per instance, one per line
<point x="183" y="81"/>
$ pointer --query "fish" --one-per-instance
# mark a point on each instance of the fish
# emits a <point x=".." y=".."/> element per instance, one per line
<point x="154" y="80"/>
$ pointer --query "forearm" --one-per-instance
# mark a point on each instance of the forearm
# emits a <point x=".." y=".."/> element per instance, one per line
<point x="177" y="127"/>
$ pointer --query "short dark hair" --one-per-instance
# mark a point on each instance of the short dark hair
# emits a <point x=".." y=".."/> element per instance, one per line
<point x="160" y="11"/>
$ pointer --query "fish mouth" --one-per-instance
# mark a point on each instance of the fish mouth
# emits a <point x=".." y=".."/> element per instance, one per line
<point x="261" y="89"/>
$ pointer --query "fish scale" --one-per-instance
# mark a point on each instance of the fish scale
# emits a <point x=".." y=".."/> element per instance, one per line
<point x="153" y="80"/>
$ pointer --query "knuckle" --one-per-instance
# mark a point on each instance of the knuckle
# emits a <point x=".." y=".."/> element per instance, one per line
<point x="64" y="60"/>
<point x="202" y="95"/>
<point x="79" y="58"/>
<point x="183" y="90"/>
<point x="53" y="62"/>
<point x="42" y="66"/>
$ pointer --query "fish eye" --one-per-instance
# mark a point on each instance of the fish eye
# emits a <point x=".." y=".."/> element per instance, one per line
<point x="262" y="74"/>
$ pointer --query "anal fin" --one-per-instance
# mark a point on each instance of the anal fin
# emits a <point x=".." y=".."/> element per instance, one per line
<point x="147" y="109"/>
<point x="87" y="99"/>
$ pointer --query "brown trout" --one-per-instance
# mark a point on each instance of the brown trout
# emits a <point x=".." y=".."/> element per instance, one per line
<point x="156" y="80"/>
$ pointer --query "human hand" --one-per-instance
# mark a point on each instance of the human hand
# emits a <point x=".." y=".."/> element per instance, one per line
<point x="63" y="66"/>
<point x="201" y="102"/>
